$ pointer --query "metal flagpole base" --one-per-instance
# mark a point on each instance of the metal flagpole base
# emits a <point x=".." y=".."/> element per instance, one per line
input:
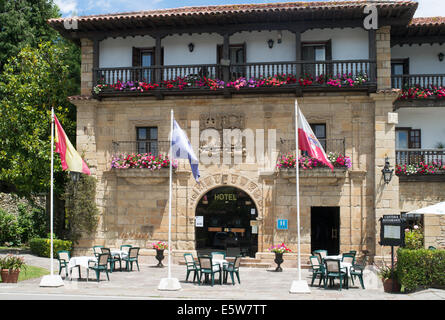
<point x="51" y="281"/>
<point x="299" y="286"/>
<point x="169" y="284"/>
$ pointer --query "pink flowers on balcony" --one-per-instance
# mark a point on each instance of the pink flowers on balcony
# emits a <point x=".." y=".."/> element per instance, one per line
<point x="421" y="168"/>
<point x="418" y="92"/>
<point x="307" y="163"/>
<point x="145" y="161"/>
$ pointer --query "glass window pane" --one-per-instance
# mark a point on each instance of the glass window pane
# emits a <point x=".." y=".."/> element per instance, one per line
<point x="142" y="133"/>
<point x="320" y="53"/>
<point x="146" y="59"/>
<point x="154" y="133"/>
<point x="402" y="139"/>
<point x="397" y="69"/>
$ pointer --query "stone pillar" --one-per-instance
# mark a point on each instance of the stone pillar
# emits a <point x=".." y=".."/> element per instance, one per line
<point x="86" y="69"/>
<point x="383" y="45"/>
<point x="386" y="196"/>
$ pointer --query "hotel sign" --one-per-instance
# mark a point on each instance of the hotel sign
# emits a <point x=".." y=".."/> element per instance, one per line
<point x="225" y="197"/>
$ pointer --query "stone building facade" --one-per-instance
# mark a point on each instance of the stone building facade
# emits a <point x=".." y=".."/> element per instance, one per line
<point x="133" y="203"/>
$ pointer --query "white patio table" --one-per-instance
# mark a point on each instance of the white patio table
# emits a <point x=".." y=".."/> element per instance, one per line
<point x="82" y="261"/>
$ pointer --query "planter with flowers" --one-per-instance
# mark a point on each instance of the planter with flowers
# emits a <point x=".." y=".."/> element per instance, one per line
<point x="307" y="163"/>
<point x="279" y="250"/>
<point x="160" y="247"/>
<point x="10" y="266"/>
<point x="420" y="168"/>
<point x="389" y="278"/>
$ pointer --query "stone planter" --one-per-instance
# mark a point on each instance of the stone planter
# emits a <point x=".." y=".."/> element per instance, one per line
<point x="160" y="257"/>
<point x="278" y="260"/>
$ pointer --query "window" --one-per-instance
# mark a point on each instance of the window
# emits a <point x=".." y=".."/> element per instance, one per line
<point x="320" y="132"/>
<point x="147" y="140"/>
<point x="237" y="55"/>
<point x="316" y="51"/>
<point x="145" y="57"/>
<point x="412" y="219"/>
<point x="399" y="67"/>
<point x="408" y="138"/>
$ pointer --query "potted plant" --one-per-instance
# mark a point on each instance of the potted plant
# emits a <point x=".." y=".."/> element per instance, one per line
<point x="10" y="268"/>
<point x="160" y="247"/>
<point x="279" y="250"/>
<point x="389" y="279"/>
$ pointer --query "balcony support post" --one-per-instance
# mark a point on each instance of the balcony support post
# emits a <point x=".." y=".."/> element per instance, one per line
<point x="298" y="51"/>
<point x="372" y="55"/>
<point x="158" y="58"/>
<point x="226" y="57"/>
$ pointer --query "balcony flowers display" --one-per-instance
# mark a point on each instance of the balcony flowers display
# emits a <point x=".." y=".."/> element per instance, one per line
<point x="144" y="161"/>
<point x="195" y="81"/>
<point x="307" y="163"/>
<point x="419" y="92"/>
<point x="420" y="168"/>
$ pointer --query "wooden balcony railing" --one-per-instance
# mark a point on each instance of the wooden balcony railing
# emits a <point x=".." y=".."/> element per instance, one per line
<point x="407" y="81"/>
<point x="215" y="77"/>
<point x="415" y="156"/>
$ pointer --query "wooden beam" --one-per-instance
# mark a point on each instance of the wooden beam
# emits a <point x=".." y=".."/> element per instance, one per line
<point x="372" y="43"/>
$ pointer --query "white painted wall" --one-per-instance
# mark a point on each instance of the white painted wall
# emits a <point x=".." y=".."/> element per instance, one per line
<point x="347" y="43"/>
<point x="118" y="52"/>
<point x="422" y="59"/>
<point x="429" y="120"/>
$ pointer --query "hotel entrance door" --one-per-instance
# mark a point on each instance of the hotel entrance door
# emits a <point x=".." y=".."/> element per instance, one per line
<point x="325" y="229"/>
<point x="226" y="221"/>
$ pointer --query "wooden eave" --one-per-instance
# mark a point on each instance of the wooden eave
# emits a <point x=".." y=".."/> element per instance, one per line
<point x="230" y="21"/>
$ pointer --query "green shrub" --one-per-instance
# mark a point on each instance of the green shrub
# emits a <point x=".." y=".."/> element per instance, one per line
<point x="414" y="239"/>
<point x="32" y="222"/>
<point x="42" y="246"/>
<point x="420" y="268"/>
<point x="9" y="229"/>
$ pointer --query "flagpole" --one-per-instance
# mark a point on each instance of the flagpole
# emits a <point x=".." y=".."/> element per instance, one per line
<point x="169" y="283"/>
<point x="170" y="197"/>
<point x="299" y="286"/>
<point x="52" y="280"/>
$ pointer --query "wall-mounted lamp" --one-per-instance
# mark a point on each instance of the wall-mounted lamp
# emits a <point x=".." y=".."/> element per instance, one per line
<point x="191" y="47"/>
<point x="270" y="43"/>
<point x="387" y="172"/>
<point x="75" y="176"/>
<point x="441" y="56"/>
<point x="279" y="36"/>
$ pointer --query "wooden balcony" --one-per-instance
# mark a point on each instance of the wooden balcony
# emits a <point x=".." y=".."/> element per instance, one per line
<point x="420" y="164"/>
<point x="262" y="77"/>
<point x="419" y="90"/>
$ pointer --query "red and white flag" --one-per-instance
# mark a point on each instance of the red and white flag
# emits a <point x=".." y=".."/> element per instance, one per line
<point x="307" y="141"/>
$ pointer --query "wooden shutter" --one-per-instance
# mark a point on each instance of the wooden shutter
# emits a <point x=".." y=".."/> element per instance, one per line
<point x="136" y="60"/>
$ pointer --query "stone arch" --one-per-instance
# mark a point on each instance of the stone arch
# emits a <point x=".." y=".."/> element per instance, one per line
<point x="251" y="188"/>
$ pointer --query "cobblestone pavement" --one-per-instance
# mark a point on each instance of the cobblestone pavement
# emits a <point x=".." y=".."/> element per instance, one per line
<point x="256" y="284"/>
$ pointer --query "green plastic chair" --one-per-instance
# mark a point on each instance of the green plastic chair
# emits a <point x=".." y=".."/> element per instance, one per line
<point x="97" y="250"/>
<point x="112" y="259"/>
<point x="321" y="254"/>
<point x="208" y="268"/>
<point x="232" y="268"/>
<point x="133" y="255"/>
<point x="348" y="257"/>
<point x="100" y="266"/>
<point x="355" y="272"/>
<point x="317" y="270"/>
<point x="335" y="271"/>
<point x="63" y="257"/>
<point x="125" y="247"/>
<point x="431" y="248"/>
<point x="191" y="267"/>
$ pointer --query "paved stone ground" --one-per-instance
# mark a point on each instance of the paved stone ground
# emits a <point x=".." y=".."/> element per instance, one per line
<point x="256" y="284"/>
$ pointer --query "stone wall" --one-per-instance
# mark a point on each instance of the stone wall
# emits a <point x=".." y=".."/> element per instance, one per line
<point x="419" y="194"/>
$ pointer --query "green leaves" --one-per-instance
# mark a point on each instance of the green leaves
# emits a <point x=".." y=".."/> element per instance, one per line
<point x="32" y="83"/>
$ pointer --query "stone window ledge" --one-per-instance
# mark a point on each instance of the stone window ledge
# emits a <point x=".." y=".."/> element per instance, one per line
<point x="324" y="175"/>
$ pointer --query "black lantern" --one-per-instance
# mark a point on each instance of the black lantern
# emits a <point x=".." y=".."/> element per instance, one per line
<point x="270" y="43"/>
<point x="191" y="47"/>
<point x="387" y="172"/>
<point x="441" y="56"/>
<point x="75" y="176"/>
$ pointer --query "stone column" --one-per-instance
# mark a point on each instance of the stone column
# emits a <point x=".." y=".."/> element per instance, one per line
<point x="383" y="45"/>
<point x="86" y="69"/>
<point x="386" y="196"/>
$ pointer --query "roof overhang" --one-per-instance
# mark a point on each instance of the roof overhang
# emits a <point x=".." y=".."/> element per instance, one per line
<point x="298" y="16"/>
<point x="420" y="31"/>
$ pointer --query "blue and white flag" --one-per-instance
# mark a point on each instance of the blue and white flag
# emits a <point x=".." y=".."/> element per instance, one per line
<point x="182" y="149"/>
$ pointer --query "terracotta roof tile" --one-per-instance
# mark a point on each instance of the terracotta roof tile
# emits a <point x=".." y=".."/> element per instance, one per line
<point x="427" y="21"/>
<point x="239" y="8"/>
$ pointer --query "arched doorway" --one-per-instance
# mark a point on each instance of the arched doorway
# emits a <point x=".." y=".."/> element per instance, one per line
<point x="226" y="221"/>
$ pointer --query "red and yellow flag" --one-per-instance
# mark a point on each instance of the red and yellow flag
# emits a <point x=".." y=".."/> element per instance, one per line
<point x="71" y="159"/>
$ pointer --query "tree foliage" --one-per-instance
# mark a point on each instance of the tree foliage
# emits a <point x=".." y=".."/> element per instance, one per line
<point x="32" y="82"/>
<point x="80" y="205"/>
